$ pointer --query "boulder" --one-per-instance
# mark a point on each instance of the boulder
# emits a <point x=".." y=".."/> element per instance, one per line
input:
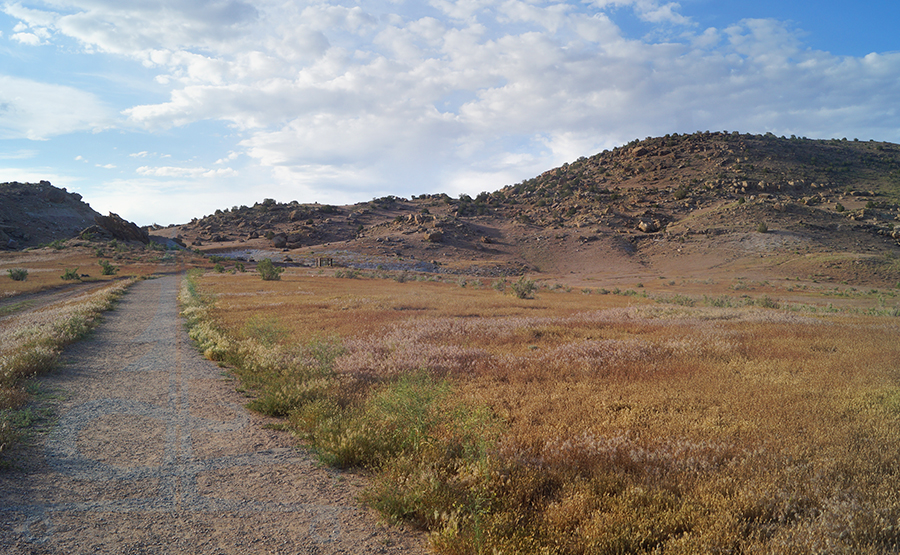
<point x="122" y="230"/>
<point x="434" y="236"/>
<point x="649" y="226"/>
<point x="279" y="241"/>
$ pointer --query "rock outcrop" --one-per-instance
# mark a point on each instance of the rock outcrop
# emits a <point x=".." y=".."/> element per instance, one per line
<point x="120" y="229"/>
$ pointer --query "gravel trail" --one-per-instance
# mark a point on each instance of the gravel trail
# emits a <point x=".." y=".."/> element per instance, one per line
<point x="152" y="452"/>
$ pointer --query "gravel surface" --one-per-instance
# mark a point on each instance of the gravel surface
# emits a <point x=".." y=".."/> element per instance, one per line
<point x="151" y="451"/>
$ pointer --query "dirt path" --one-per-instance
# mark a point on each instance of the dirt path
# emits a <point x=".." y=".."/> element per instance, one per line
<point x="152" y="452"/>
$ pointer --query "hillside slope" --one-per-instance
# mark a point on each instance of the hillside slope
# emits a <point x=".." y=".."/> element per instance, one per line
<point x="681" y="204"/>
<point x="37" y="213"/>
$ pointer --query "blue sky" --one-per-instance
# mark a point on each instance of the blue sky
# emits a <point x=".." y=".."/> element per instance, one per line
<point x="164" y="110"/>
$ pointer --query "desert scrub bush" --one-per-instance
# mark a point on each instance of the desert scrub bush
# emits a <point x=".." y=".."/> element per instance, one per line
<point x="762" y="227"/>
<point x="523" y="288"/>
<point x="18" y="274"/>
<point x="268" y="271"/>
<point x="107" y="268"/>
<point x="70" y="274"/>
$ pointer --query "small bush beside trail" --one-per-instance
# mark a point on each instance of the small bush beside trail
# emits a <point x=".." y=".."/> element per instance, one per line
<point x="107" y="269"/>
<point x="18" y="274"/>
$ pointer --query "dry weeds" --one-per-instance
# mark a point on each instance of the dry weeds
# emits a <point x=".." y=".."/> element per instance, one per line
<point x="580" y="424"/>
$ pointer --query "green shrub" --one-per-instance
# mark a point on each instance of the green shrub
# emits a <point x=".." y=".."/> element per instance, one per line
<point x="71" y="274"/>
<point x="107" y="269"/>
<point x="218" y="268"/>
<point x="523" y="288"/>
<point x="762" y="227"/>
<point x="18" y="274"/>
<point x="268" y="271"/>
<point x="839" y="207"/>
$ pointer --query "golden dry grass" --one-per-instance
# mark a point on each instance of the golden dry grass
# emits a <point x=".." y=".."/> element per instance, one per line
<point x="626" y="426"/>
<point x="46" y="265"/>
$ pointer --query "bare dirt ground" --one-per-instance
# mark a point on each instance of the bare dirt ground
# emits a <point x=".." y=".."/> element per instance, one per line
<point x="149" y="450"/>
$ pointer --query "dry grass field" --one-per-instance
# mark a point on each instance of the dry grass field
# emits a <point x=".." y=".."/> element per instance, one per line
<point x="580" y="422"/>
<point x="46" y="266"/>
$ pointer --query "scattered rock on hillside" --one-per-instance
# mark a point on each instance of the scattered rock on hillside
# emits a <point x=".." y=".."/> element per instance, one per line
<point x="649" y="226"/>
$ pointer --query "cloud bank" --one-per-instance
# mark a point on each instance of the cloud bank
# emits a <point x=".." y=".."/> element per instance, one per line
<point x="347" y="100"/>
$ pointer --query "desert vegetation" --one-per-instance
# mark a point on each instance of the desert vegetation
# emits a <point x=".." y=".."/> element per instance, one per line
<point x="573" y="422"/>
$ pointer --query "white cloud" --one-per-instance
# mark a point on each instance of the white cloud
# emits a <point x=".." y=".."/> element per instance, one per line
<point x="175" y="171"/>
<point x="37" y="111"/>
<point x="22" y="154"/>
<point x="29" y="39"/>
<point x="232" y="156"/>
<point x="106" y="166"/>
<point x="343" y="101"/>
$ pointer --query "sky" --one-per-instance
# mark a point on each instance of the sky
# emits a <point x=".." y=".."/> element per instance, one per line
<point x="166" y="110"/>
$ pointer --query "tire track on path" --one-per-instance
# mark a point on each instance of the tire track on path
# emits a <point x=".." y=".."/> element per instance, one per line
<point x="153" y="453"/>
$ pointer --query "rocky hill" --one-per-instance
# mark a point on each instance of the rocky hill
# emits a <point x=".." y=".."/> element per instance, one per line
<point x="38" y="213"/>
<point x="665" y="204"/>
<point x="33" y="214"/>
